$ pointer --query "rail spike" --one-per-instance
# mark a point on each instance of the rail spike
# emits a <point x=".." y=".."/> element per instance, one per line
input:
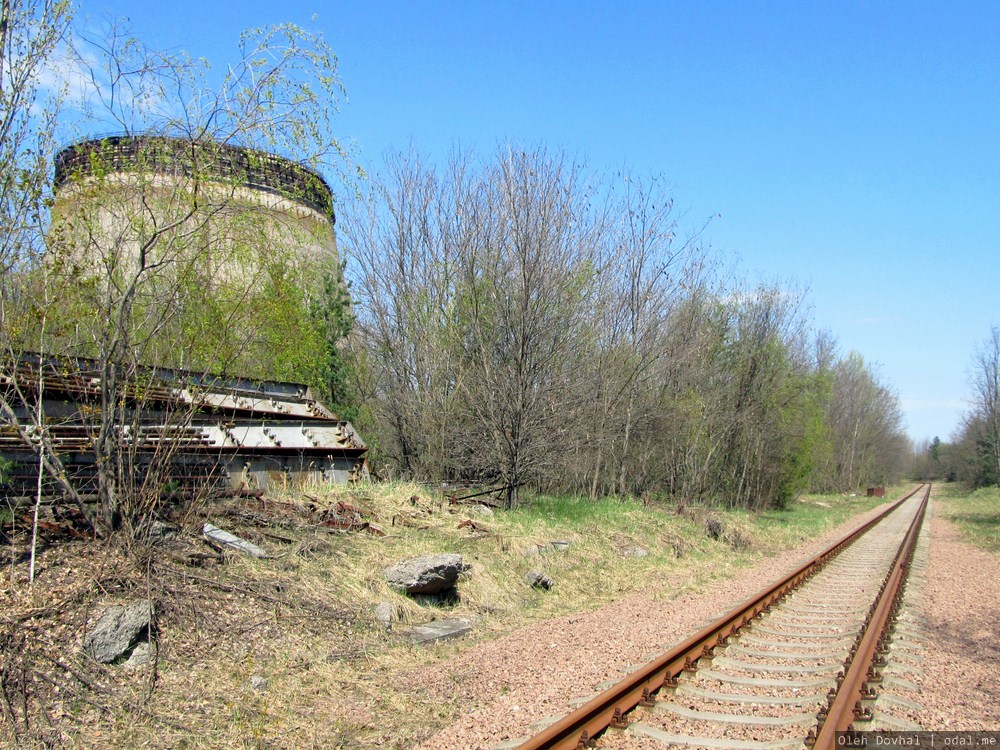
<point x="862" y="712"/>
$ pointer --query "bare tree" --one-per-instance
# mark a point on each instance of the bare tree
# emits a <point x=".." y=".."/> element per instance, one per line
<point x="644" y="276"/>
<point x="526" y="277"/>
<point x="865" y="420"/>
<point x="31" y="32"/>
<point x="402" y="237"/>
<point x="523" y="322"/>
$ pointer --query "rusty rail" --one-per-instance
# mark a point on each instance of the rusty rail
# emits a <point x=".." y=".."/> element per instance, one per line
<point x="867" y="656"/>
<point x="608" y="709"/>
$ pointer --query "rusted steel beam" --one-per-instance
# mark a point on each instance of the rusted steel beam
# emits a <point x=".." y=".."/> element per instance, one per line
<point x="252" y="429"/>
<point x="846" y="706"/>
<point x="600" y="712"/>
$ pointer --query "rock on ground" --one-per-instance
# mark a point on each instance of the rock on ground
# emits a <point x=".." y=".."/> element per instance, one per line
<point x="141" y="654"/>
<point x="385" y="613"/>
<point x="539" y="580"/>
<point x="438" y="630"/>
<point x="118" y="629"/>
<point x="715" y="528"/>
<point x="429" y="574"/>
<point x="221" y="536"/>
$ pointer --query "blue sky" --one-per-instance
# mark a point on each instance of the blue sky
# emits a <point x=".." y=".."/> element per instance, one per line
<point x="850" y="148"/>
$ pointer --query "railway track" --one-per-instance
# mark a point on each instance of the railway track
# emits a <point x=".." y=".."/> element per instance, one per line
<point x="789" y="667"/>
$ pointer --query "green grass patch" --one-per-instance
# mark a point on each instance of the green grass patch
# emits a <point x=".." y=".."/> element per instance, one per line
<point x="812" y="515"/>
<point x="594" y="550"/>
<point x="976" y="513"/>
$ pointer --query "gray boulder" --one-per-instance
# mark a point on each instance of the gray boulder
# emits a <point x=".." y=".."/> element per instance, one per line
<point x="715" y="528"/>
<point x="141" y="654"/>
<point x="119" y="628"/>
<point x="160" y="531"/>
<point x="429" y="574"/>
<point x="438" y="630"/>
<point x="556" y="545"/>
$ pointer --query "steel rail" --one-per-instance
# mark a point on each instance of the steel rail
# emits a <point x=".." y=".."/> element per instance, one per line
<point x="608" y="709"/>
<point x="855" y="684"/>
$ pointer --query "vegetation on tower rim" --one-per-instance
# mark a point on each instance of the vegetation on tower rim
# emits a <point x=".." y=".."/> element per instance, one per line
<point x="168" y="155"/>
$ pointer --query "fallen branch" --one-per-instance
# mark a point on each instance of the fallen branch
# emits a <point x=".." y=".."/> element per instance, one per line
<point x="8" y="710"/>
<point x="278" y="537"/>
<point x="402" y="520"/>
<point x="83" y="680"/>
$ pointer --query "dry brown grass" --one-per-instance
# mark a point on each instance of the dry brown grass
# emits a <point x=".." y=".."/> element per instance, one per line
<point x="303" y="619"/>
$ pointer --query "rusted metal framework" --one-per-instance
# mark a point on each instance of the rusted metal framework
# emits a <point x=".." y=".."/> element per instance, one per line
<point x="608" y="709"/>
<point x="218" y="431"/>
<point x="165" y="155"/>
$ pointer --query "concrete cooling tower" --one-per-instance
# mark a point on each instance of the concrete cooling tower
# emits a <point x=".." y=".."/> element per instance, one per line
<point x="119" y="191"/>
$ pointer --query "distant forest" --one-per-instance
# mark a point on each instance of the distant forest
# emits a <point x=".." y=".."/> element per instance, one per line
<point x="972" y="456"/>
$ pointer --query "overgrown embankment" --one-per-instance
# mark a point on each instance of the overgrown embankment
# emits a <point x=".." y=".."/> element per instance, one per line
<point x="286" y="651"/>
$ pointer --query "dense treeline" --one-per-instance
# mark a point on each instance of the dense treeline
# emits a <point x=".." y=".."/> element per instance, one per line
<point x="521" y="320"/>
